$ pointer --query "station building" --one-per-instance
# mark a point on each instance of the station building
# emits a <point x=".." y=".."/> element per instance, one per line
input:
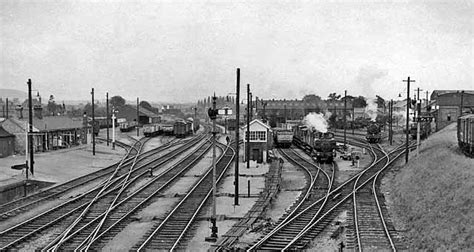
<point x="49" y="133"/>
<point x="448" y="105"/>
<point x="261" y="141"/>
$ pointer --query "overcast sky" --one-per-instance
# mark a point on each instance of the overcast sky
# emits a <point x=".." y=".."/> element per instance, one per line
<point x="185" y="50"/>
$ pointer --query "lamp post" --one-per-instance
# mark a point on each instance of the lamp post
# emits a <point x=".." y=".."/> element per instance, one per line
<point x="113" y="128"/>
<point x="345" y="107"/>
<point x="30" y="128"/>
<point x="93" y="124"/>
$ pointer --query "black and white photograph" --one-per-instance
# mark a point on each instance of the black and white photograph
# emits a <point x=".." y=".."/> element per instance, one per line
<point x="247" y="125"/>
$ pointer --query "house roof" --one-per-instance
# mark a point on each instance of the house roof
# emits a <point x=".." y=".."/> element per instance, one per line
<point x="132" y="109"/>
<point x="4" y="133"/>
<point x="258" y="122"/>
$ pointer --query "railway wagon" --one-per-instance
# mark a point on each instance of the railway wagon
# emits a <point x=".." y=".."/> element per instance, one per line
<point x="425" y="130"/>
<point x="465" y="131"/>
<point x="373" y="133"/>
<point x="127" y="126"/>
<point x="151" y="130"/>
<point x="181" y="128"/>
<point x="167" y="129"/>
<point x="283" y="138"/>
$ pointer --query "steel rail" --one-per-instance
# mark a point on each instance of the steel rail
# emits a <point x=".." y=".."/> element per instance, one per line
<point x="294" y="214"/>
<point x="58" y="209"/>
<point x="103" y="216"/>
<point x="340" y="202"/>
<point x="182" y="202"/>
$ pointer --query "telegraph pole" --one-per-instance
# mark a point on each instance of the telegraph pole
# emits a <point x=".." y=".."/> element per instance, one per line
<point x="247" y="149"/>
<point x="138" y="116"/>
<point x="107" y="115"/>
<point x="418" y="112"/>
<point x="30" y="135"/>
<point x="408" y="118"/>
<point x="345" y="107"/>
<point x="237" y="118"/>
<point x="7" y="107"/>
<point x="390" y="133"/>
<point x="93" y="123"/>
<point x="462" y="102"/>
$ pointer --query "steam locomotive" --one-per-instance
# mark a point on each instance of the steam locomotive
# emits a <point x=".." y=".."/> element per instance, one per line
<point x="373" y="133"/>
<point x="321" y="146"/>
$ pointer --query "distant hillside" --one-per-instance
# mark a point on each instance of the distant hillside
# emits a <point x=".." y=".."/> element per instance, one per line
<point x="12" y="93"/>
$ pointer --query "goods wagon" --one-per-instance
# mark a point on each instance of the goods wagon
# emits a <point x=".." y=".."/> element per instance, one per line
<point x="181" y="128"/>
<point x="127" y="126"/>
<point x="151" y="130"/>
<point x="425" y="130"/>
<point x="465" y="131"/>
<point x="283" y="138"/>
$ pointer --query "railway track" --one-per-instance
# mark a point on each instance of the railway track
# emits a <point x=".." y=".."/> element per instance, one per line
<point x="175" y="230"/>
<point x="337" y="198"/>
<point x="67" y="213"/>
<point x="373" y="230"/>
<point x="94" y="233"/>
<point x="24" y="204"/>
<point x="295" y="221"/>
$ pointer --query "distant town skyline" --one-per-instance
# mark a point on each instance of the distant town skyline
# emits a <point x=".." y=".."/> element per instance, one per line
<point x="184" y="51"/>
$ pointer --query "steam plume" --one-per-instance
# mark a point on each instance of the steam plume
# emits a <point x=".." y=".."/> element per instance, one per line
<point x="316" y="121"/>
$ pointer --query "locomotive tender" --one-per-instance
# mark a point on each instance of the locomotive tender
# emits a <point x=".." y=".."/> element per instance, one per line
<point x="465" y="131"/>
<point x="320" y="146"/>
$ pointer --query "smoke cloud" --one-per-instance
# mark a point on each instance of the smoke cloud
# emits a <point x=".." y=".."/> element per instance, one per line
<point x="316" y="121"/>
<point x="369" y="76"/>
<point x="371" y="109"/>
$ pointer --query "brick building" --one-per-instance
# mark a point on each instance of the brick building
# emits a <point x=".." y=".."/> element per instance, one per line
<point x="448" y="105"/>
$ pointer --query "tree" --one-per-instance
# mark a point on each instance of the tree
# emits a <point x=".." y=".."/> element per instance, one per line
<point x="312" y="98"/>
<point x="146" y="105"/>
<point x="334" y="97"/>
<point x="360" y="102"/>
<point x="117" y="101"/>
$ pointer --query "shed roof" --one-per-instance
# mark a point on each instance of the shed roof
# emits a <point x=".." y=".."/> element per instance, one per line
<point x="4" y="133"/>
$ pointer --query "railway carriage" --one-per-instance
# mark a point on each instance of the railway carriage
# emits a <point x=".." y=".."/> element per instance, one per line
<point x="465" y="131"/>
<point x="167" y="129"/>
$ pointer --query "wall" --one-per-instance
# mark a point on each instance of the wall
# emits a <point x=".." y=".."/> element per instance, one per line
<point x="17" y="190"/>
